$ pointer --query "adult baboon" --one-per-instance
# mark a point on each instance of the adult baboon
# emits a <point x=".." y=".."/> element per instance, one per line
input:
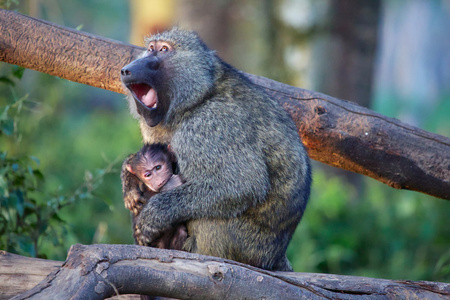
<point x="247" y="173"/>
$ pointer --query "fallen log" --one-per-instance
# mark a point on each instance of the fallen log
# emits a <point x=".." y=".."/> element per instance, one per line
<point x="336" y="132"/>
<point x="100" y="271"/>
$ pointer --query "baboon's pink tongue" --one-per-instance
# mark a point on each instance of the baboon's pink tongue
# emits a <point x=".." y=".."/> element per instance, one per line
<point x="150" y="98"/>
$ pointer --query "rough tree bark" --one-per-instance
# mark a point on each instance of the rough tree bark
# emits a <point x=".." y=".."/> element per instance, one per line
<point x="20" y="273"/>
<point x="336" y="132"/>
<point x="100" y="271"/>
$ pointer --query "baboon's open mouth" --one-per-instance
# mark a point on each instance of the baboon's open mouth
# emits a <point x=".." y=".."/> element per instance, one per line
<point x="144" y="93"/>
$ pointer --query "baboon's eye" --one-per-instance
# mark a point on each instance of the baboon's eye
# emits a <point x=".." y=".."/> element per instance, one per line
<point x="164" y="48"/>
<point x="158" y="167"/>
<point x="151" y="48"/>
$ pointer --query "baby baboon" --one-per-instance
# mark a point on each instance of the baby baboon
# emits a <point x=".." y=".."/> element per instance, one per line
<point x="154" y="165"/>
<point x="247" y="173"/>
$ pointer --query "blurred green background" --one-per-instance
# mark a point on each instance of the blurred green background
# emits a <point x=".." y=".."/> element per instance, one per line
<point x="62" y="143"/>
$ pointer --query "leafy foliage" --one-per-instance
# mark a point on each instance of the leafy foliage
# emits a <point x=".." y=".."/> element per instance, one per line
<point x="21" y="223"/>
<point x="388" y="233"/>
<point x="30" y="217"/>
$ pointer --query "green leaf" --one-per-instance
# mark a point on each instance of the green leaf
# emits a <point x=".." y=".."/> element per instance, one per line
<point x="7" y="80"/>
<point x="56" y="217"/>
<point x="43" y="225"/>
<point x="4" y="115"/>
<point x="18" y="72"/>
<point x="38" y="174"/>
<point x="35" y="159"/>
<point x="7" y="127"/>
<point x="107" y="200"/>
<point x="15" y="167"/>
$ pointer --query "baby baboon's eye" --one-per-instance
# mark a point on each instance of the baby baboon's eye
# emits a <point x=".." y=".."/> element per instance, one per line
<point x="164" y="48"/>
<point x="151" y="48"/>
<point x="147" y="174"/>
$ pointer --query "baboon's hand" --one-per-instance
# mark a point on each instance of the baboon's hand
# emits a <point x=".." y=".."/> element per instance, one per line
<point x="146" y="235"/>
<point x="142" y="239"/>
<point x="152" y="222"/>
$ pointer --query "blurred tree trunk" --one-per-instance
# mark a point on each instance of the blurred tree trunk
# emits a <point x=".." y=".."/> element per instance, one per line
<point x="245" y="34"/>
<point x="348" y="62"/>
<point x="149" y="17"/>
<point x="347" y="66"/>
<point x="272" y="50"/>
<point x="213" y="20"/>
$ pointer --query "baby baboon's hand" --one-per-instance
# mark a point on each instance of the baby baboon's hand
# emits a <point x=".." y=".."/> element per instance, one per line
<point x="133" y="196"/>
<point x="133" y="201"/>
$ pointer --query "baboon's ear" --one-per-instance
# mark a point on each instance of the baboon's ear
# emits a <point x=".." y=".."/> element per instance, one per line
<point x="130" y="169"/>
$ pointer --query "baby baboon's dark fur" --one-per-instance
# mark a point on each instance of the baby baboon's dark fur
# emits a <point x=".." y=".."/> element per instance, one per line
<point x="154" y="167"/>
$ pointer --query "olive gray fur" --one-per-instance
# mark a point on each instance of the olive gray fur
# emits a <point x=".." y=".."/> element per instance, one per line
<point x="247" y="173"/>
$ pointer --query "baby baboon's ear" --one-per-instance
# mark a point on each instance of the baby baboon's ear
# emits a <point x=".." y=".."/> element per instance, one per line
<point x="130" y="169"/>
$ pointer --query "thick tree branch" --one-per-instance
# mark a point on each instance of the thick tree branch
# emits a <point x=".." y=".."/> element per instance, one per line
<point x="99" y="271"/>
<point x="20" y="273"/>
<point x="336" y="132"/>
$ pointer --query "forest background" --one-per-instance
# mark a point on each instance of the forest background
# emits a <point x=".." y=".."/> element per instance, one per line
<point x="62" y="143"/>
